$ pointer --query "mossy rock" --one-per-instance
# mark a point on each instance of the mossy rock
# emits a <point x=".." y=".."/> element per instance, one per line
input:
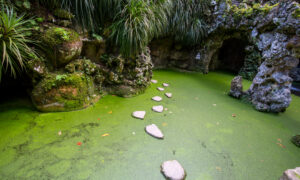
<point x="64" y="92"/>
<point x="82" y="65"/>
<point x="63" y="14"/>
<point x="63" y="45"/>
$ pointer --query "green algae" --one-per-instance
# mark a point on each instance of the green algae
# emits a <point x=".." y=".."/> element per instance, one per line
<point x="199" y="130"/>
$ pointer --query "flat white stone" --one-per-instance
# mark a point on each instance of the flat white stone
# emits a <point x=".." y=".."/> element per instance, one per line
<point x="156" y="98"/>
<point x="159" y="108"/>
<point x="173" y="170"/>
<point x="154" y="81"/>
<point x="169" y="95"/>
<point x="165" y="85"/>
<point x="154" y="131"/>
<point x="139" y="114"/>
<point x="160" y="89"/>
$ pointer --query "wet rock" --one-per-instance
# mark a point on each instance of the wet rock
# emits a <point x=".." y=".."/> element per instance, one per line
<point x="160" y="89"/>
<point x="139" y="114"/>
<point x="159" y="108"/>
<point x="169" y="95"/>
<point x="154" y="131"/>
<point x="165" y="85"/>
<point x="296" y="140"/>
<point x="173" y="170"/>
<point x="157" y="98"/>
<point x="236" y="87"/>
<point x="291" y="174"/>
<point x="154" y="81"/>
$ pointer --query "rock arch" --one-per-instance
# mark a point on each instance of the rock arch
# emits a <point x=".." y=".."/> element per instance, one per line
<point x="275" y="34"/>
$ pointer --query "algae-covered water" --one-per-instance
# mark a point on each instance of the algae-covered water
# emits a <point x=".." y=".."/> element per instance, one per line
<point x="105" y="142"/>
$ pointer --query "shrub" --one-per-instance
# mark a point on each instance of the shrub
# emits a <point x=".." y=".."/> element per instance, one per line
<point x="14" y="41"/>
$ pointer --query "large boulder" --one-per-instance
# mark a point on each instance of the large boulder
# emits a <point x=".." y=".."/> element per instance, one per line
<point x="63" y="45"/>
<point x="63" y="92"/>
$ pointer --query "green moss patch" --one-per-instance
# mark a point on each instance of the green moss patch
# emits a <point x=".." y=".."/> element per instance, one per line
<point x="58" y="35"/>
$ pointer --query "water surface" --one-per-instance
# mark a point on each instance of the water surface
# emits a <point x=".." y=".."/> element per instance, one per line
<point x="200" y="132"/>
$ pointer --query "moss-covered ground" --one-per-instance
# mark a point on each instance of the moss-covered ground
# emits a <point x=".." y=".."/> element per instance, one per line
<point x="105" y="142"/>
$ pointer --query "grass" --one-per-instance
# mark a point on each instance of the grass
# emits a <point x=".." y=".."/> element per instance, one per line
<point x="203" y="137"/>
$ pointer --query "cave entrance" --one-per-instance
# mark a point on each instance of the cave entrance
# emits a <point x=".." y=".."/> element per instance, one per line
<point x="231" y="55"/>
<point x="14" y="88"/>
<point x="295" y="74"/>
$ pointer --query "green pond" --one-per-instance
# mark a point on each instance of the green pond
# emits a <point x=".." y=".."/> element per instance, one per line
<point x="199" y="127"/>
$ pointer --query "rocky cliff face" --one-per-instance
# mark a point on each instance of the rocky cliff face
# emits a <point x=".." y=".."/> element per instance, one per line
<point x="271" y="32"/>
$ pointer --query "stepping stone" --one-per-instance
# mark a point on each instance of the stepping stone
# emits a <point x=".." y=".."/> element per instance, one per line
<point x="173" y="170"/>
<point x="160" y="89"/>
<point x="154" y="81"/>
<point x="169" y="95"/>
<point x="153" y="130"/>
<point x="165" y="85"/>
<point x="156" y="98"/>
<point x="139" y="114"/>
<point x="159" y="108"/>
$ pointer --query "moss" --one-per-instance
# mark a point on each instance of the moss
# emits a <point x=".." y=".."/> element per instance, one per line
<point x="64" y="92"/>
<point x="58" y="35"/>
<point x="249" y="10"/>
<point x="296" y="13"/>
<point x="63" y="14"/>
<point x="82" y="65"/>
<point x="40" y="19"/>
<point x="54" y="80"/>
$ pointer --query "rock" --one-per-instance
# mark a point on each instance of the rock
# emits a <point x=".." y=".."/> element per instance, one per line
<point x="139" y="114"/>
<point x="154" y="131"/>
<point x="296" y="140"/>
<point x="128" y="76"/>
<point x="236" y="89"/>
<point x="63" y="45"/>
<point x="173" y="170"/>
<point x="291" y="174"/>
<point x="159" y="108"/>
<point x="63" y="92"/>
<point x="157" y="98"/>
<point x="93" y="49"/>
<point x="154" y="81"/>
<point x="295" y="74"/>
<point x="169" y="95"/>
<point x="160" y="89"/>
<point x="165" y="85"/>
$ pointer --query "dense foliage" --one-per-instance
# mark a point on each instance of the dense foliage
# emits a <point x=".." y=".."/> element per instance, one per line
<point x="134" y="23"/>
<point x="128" y="24"/>
<point x="14" y="49"/>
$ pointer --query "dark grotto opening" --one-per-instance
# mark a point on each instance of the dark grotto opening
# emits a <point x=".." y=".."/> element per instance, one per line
<point x="14" y="88"/>
<point x="232" y="55"/>
<point x="295" y="75"/>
